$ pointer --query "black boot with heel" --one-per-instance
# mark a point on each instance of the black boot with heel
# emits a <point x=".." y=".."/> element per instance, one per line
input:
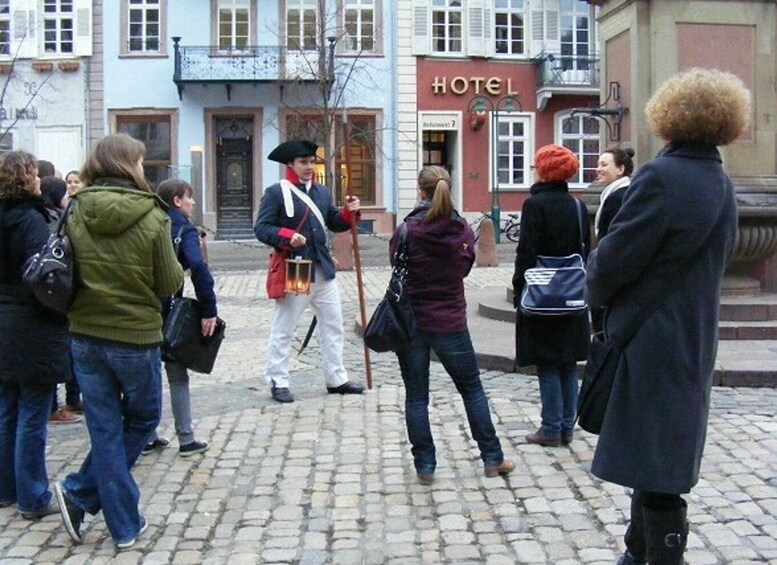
<point x="634" y="538"/>
<point x="666" y="535"/>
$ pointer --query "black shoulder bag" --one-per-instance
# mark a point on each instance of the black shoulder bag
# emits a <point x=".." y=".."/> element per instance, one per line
<point x="50" y="272"/>
<point x="183" y="341"/>
<point x="392" y="325"/>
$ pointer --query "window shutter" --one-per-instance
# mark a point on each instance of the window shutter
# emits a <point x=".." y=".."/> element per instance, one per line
<point x="545" y="25"/>
<point x="83" y="28"/>
<point x="421" y="35"/>
<point x="476" y="29"/>
<point x="24" y="33"/>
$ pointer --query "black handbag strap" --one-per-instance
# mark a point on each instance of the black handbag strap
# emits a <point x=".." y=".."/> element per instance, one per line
<point x="580" y="223"/>
<point x="400" y="255"/>
<point x="666" y="287"/>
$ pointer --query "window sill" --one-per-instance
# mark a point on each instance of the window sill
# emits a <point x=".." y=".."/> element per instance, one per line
<point x="144" y="56"/>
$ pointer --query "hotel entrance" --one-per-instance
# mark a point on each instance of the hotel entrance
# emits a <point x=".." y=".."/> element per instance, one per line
<point x="440" y="146"/>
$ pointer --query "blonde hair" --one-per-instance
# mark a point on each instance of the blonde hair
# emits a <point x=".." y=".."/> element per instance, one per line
<point x="18" y="172"/>
<point x="701" y="107"/>
<point x="435" y="184"/>
<point x="115" y="155"/>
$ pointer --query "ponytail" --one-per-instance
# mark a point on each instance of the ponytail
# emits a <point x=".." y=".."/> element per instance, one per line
<point x="435" y="184"/>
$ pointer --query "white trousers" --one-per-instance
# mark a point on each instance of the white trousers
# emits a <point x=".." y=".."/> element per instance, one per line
<point x="324" y="298"/>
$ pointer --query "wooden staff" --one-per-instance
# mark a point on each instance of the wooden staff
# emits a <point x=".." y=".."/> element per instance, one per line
<point x="357" y="260"/>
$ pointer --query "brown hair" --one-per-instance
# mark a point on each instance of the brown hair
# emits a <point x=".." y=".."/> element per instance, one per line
<point x="701" y="107"/>
<point x="170" y="188"/>
<point x="18" y="172"/>
<point x="115" y="155"/>
<point x="435" y="184"/>
<point x="622" y="158"/>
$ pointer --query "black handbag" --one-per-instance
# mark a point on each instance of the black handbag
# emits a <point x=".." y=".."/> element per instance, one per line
<point x="183" y="339"/>
<point x="50" y="272"/>
<point x="392" y="324"/>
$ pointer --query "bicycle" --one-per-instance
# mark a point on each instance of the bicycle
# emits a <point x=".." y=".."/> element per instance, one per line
<point x="511" y="226"/>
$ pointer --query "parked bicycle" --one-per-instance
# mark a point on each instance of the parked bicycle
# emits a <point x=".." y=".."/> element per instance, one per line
<point x="510" y="226"/>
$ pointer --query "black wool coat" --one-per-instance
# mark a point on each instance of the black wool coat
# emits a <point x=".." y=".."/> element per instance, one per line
<point x="549" y="226"/>
<point x="677" y="224"/>
<point x="35" y="341"/>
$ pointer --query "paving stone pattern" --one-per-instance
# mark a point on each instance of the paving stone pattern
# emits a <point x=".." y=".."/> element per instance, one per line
<point x="329" y="479"/>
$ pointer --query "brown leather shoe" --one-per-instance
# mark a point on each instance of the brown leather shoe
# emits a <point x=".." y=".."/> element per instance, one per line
<point x="503" y="468"/>
<point x="566" y="438"/>
<point x="539" y="438"/>
<point x="62" y="416"/>
<point x="425" y="479"/>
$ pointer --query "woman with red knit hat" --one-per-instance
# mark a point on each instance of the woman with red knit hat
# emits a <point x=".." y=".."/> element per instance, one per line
<point x="550" y="225"/>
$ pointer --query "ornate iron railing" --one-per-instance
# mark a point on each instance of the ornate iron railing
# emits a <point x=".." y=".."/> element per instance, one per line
<point x="251" y="64"/>
<point x="567" y="70"/>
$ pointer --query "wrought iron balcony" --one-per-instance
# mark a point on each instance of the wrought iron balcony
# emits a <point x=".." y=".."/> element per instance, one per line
<point x="252" y="64"/>
<point x="565" y="74"/>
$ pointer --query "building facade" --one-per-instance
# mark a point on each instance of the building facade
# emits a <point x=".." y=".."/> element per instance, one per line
<point x="45" y="51"/>
<point x="494" y="80"/>
<point x="212" y="86"/>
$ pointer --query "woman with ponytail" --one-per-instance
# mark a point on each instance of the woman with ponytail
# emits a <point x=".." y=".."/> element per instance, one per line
<point x="440" y="255"/>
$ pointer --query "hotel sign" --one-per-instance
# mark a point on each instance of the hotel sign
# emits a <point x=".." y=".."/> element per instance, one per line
<point x="461" y="85"/>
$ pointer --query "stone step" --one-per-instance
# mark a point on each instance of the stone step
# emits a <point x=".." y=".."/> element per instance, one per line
<point x="740" y="362"/>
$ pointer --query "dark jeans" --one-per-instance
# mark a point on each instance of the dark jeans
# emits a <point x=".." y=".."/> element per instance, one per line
<point x="122" y="389"/>
<point x="455" y="352"/>
<point x="558" y="393"/>
<point x="24" y="415"/>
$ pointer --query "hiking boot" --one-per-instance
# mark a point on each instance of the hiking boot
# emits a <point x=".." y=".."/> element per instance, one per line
<point x="504" y="468"/>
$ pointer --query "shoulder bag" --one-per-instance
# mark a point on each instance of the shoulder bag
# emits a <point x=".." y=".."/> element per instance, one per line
<point x="50" y="272"/>
<point x="392" y="325"/>
<point x="183" y="341"/>
<point x="604" y="353"/>
<point x="556" y="285"/>
<point x="276" y="270"/>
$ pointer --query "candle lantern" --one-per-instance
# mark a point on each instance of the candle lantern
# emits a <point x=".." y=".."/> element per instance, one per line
<point x="298" y="271"/>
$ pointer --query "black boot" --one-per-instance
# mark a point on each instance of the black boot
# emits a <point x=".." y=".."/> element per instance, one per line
<point x="666" y="534"/>
<point x="635" y="537"/>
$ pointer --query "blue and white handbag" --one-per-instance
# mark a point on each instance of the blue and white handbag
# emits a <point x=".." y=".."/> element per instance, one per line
<point x="555" y="286"/>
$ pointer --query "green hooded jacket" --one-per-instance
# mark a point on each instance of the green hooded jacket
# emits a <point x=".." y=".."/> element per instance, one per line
<point x="124" y="263"/>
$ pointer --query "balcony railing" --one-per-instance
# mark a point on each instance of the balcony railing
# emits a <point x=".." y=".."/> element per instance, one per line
<point x="567" y="70"/>
<point x="211" y="64"/>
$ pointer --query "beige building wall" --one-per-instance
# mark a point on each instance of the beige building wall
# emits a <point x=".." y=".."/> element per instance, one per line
<point x="660" y="33"/>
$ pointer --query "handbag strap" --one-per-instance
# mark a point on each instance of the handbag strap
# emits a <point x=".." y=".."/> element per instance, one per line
<point x="580" y="222"/>
<point x="63" y="218"/>
<point x="666" y="287"/>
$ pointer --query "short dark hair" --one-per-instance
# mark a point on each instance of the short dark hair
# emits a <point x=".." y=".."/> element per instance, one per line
<point x="170" y="188"/>
<point x="46" y="168"/>
<point x="622" y="158"/>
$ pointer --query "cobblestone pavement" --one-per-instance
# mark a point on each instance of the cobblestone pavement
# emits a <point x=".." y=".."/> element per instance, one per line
<point x="330" y="479"/>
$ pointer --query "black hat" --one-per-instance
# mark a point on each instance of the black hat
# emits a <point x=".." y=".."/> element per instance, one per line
<point x="287" y="151"/>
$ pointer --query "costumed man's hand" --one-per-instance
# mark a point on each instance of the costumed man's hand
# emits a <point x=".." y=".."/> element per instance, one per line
<point x="353" y="204"/>
<point x="298" y="240"/>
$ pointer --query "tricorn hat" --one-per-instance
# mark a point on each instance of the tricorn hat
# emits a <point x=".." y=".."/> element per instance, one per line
<point x="287" y="151"/>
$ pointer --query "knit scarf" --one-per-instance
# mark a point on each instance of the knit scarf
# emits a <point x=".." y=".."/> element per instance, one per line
<point x="622" y="182"/>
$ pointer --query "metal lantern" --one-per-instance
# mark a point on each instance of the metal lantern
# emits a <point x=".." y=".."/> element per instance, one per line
<point x="298" y="271"/>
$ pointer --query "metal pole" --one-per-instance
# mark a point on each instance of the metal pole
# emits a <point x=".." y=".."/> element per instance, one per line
<point x="495" y="211"/>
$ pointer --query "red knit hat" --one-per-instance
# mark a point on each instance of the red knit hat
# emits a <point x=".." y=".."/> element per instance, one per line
<point x="555" y="163"/>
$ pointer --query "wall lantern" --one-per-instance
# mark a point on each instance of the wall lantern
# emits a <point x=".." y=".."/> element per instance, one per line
<point x="298" y="271"/>
<point x="605" y="114"/>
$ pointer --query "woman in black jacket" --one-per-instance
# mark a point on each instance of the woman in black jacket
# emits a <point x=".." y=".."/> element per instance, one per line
<point x="35" y="355"/>
<point x="550" y="225"/>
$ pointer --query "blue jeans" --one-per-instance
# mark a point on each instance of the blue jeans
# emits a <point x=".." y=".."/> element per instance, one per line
<point x="455" y="352"/>
<point x="558" y="393"/>
<point x="122" y="391"/>
<point x="24" y="417"/>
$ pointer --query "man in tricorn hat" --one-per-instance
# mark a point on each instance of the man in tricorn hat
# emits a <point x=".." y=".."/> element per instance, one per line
<point x="295" y="214"/>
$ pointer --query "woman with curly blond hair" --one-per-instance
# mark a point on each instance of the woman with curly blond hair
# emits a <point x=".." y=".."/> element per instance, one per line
<point x="662" y="262"/>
